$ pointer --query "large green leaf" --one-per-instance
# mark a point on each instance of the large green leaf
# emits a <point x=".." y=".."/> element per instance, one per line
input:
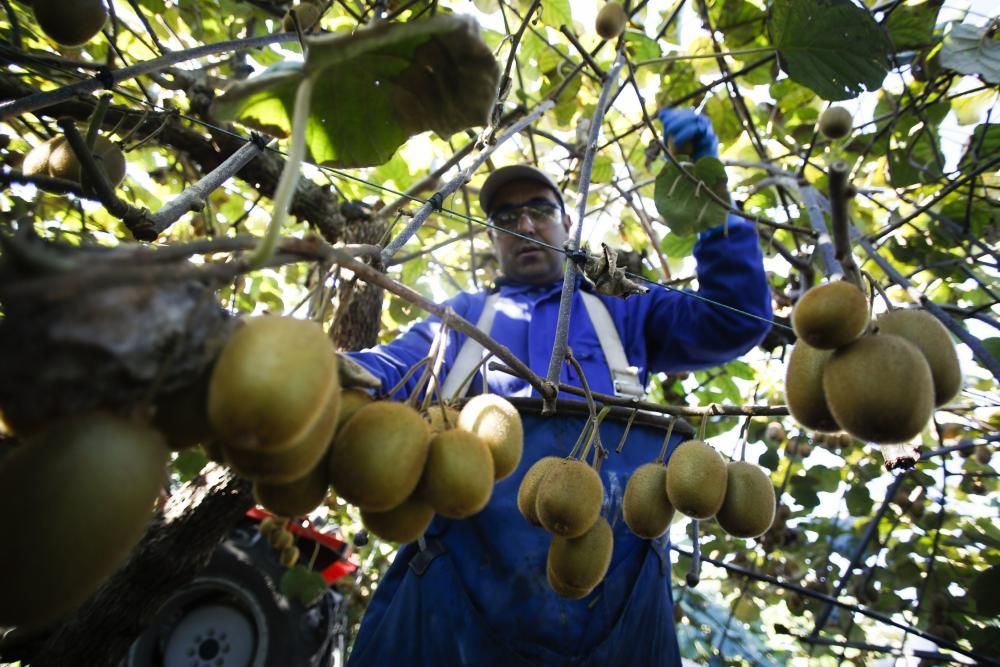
<point x="832" y="46"/>
<point x="986" y="592"/>
<point x="375" y="88"/>
<point x="685" y="205"/>
<point x="912" y="26"/>
<point x="969" y="49"/>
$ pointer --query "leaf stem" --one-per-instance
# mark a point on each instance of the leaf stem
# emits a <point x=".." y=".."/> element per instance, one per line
<point x="289" y="175"/>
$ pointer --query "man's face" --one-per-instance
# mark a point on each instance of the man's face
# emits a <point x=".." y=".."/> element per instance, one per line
<point x="531" y="210"/>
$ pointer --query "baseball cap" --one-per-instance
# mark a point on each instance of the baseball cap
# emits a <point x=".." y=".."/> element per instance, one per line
<point x="517" y="172"/>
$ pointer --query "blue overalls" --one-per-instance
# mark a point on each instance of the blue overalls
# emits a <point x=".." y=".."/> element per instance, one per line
<point x="477" y="593"/>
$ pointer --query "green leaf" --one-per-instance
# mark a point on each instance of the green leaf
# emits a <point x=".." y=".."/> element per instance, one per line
<point x="985" y="142"/>
<point x="918" y="161"/>
<point x="970" y="49"/>
<point x="684" y="205"/>
<point x="302" y="584"/>
<point x="604" y="169"/>
<point x="992" y="346"/>
<point x="189" y="463"/>
<point x="739" y="20"/>
<point x="770" y="459"/>
<point x="640" y="47"/>
<point x="374" y="89"/>
<point x="859" y="500"/>
<point x="675" y="245"/>
<point x="912" y="26"/>
<point x="832" y="46"/>
<point x="557" y="13"/>
<point x="986" y="592"/>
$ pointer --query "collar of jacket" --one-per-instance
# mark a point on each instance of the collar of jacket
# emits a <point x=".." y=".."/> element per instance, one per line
<point x="508" y="286"/>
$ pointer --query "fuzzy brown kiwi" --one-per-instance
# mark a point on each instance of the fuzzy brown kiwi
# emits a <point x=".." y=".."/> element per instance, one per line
<point x="297" y="497"/>
<point x="351" y="400"/>
<point x="934" y="342"/>
<point x="879" y="388"/>
<point x="36" y="162"/>
<point x="379" y="455"/>
<point x="804" y="388"/>
<point x="403" y="523"/>
<point x="308" y="14"/>
<point x="748" y="508"/>
<point x="75" y="500"/>
<point x="696" y="479"/>
<point x="610" y="21"/>
<point x="569" y="498"/>
<point x="575" y="566"/>
<point x="70" y="22"/>
<point x="835" y="122"/>
<point x="645" y="506"/>
<point x="831" y="315"/>
<point x="458" y="476"/>
<point x="442" y="417"/>
<point x="494" y="419"/>
<point x="63" y="162"/>
<point x="527" y="492"/>
<point x="251" y="403"/>
<point x="285" y="464"/>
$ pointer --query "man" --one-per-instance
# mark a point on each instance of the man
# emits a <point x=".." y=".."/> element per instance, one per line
<point x="474" y="592"/>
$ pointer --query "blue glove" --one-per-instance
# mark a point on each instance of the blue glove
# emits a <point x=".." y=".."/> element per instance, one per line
<point x="685" y="126"/>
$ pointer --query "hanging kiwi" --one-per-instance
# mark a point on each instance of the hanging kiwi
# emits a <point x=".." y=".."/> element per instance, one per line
<point x="934" y="342"/>
<point x="527" y="492"/>
<point x="748" y="508"/>
<point x="308" y="15"/>
<point x="74" y="500"/>
<point x="611" y="20"/>
<point x="575" y="566"/>
<point x="645" y="506"/>
<point x="379" y="455"/>
<point x="250" y="402"/>
<point x="569" y="498"/>
<point x="804" y="388"/>
<point x="494" y="419"/>
<point x="696" y="479"/>
<point x="63" y="162"/>
<point x="70" y="22"/>
<point x="831" y="315"/>
<point x="457" y="480"/>
<point x="403" y="523"/>
<point x="880" y="389"/>
<point x="297" y="497"/>
<point x="351" y="400"/>
<point x="36" y="162"/>
<point x="835" y="122"/>
<point x="441" y="417"/>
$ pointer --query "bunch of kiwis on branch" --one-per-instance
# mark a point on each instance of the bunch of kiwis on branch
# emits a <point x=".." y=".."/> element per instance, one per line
<point x="56" y="158"/>
<point x="70" y="22"/>
<point x="878" y="381"/>
<point x="564" y="496"/>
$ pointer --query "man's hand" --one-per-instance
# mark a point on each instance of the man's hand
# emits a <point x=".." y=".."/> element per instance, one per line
<point x="353" y="374"/>
<point x="692" y="133"/>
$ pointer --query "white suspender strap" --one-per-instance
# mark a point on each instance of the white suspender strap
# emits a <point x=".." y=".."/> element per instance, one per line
<point x="624" y="376"/>
<point x="470" y="354"/>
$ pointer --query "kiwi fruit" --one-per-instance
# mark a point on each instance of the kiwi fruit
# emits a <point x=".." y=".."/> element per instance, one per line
<point x="879" y="388"/>
<point x="286" y="464"/>
<point x="441" y="417"/>
<point x="831" y="315"/>
<point x="575" y="566"/>
<point x="403" y="523"/>
<point x="775" y="432"/>
<point x="569" y="498"/>
<point x="308" y="14"/>
<point x="63" y="162"/>
<point x="527" y="492"/>
<point x="281" y="539"/>
<point x="748" y="508"/>
<point x="458" y="476"/>
<point x="696" y="479"/>
<point x="70" y="22"/>
<point x="835" y="122"/>
<point x="379" y="455"/>
<point x="934" y="342"/>
<point x="251" y="403"/>
<point x="36" y="162"/>
<point x="495" y="420"/>
<point x="610" y="21"/>
<point x="297" y="497"/>
<point x="645" y="506"/>
<point x="983" y="456"/>
<point x="74" y="500"/>
<point x="289" y="557"/>
<point x="804" y="388"/>
<point x="351" y="400"/>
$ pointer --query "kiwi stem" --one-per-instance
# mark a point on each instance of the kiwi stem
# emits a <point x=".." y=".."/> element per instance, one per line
<point x="628" y="427"/>
<point x="315" y="553"/>
<point x="432" y="370"/>
<point x="876" y="288"/>
<point x="472" y="373"/>
<point x="595" y="434"/>
<point x="289" y="180"/>
<point x="583" y="381"/>
<point x="96" y="119"/>
<point x="666" y="440"/>
<point x="837" y="178"/>
<point x="581" y="438"/>
<point x="406" y="378"/>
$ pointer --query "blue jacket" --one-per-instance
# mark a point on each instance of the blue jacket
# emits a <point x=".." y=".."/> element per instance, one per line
<point x="478" y="595"/>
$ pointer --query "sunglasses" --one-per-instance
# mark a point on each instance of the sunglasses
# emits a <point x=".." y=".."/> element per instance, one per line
<point x="540" y="211"/>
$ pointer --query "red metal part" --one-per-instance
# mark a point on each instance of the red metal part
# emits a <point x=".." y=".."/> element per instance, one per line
<point x="342" y="564"/>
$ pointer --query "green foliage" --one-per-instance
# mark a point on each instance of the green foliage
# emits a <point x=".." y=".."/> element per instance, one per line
<point x="684" y="202"/>
<point x="971" y="50"/>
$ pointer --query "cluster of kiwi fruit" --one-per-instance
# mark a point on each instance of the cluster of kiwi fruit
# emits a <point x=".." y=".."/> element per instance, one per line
<point x="70" y="22"/>
<point x="400" y="467"/>
<point x="275" y="531"/>
<point x="306" y="13"/>
<point x="878" y="381"/>
<point x="56" y="158"/>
